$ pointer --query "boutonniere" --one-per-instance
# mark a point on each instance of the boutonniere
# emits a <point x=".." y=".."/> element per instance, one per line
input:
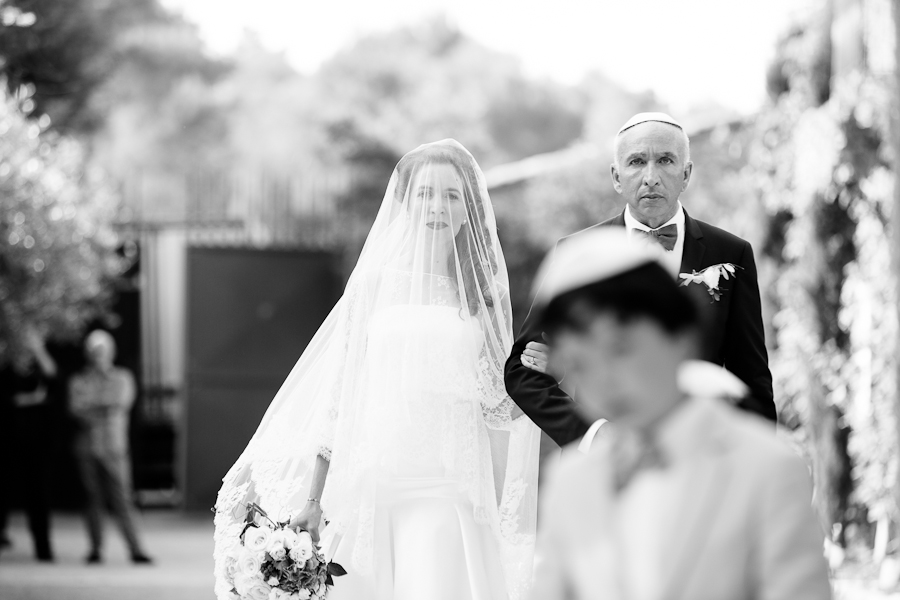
<point x="710" y="277"/>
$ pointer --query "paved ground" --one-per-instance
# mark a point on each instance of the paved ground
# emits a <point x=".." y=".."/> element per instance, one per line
<point x="180" y="544"/>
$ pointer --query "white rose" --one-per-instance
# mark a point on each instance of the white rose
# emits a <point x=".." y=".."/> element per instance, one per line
<point x="711" y="277"/>
<point x="257" y="538"/>
<point x="290" y="538"/>
<point x="259" y="590"/>
<point x="276" y="540"/>
<point x="242" y="583"/>
<point x="301" y="552"/>
<point x="231" y="567"/>
<point x="276" y="547"/>
<point x="248" y="563"/>
<point x="278" y="554"/>
<point x="303" y="549"/>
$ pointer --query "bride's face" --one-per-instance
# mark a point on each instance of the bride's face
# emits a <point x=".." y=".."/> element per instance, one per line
<point x="436" y="200"/>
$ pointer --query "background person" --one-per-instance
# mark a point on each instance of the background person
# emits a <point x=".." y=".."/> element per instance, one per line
<point x="25" y="391"/>
<point x="100" y="399"/>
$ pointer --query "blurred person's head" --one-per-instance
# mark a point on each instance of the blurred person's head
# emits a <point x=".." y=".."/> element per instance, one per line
<point x="619" y="326"/>
<point x="652" y="166"/>
<point x="442" y="191"/>
<point x="100" y="349"/>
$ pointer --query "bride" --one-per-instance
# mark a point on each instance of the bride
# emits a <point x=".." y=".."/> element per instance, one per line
<point x="394" y="426"/>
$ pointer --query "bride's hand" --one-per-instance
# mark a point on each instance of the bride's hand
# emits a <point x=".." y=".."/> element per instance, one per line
<point x="536" y="356"/>
<point x="309" y="520"/>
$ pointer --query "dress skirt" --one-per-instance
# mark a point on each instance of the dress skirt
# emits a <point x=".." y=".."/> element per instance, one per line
<point x="427" y="546"/>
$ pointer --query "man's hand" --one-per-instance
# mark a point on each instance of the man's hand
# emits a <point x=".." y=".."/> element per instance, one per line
<point x="536" y="356"/>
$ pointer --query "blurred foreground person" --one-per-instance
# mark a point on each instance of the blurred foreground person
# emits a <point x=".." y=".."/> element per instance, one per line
<point x="100" y="399"/>
<point x="394" y="423"/>
<point x="26" y="421"/>
<point x="683" y="497"/>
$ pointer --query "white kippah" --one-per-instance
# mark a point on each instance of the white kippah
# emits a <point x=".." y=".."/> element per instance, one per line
<point x="649" y="116"/>
<point x="590" y="257"/>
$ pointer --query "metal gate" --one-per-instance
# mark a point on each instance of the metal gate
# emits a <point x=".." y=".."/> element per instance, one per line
<point x="251" y="313"/>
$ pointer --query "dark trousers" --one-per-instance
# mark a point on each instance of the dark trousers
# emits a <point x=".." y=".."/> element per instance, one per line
<point x="26" y="455"/>
<point x="107" y="480"/>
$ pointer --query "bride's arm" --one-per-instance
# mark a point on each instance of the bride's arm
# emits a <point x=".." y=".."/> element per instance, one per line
<point x="311" y="516"/>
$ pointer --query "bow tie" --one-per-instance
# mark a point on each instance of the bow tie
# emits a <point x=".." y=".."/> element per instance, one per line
<point x="664" y="236"/>
<point x="631" y="456"/>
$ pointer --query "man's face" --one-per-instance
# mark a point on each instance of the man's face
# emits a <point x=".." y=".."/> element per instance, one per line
<point x="624" y="372"/>
<point x="100" y="355"/>
<point x="651" y="170"/>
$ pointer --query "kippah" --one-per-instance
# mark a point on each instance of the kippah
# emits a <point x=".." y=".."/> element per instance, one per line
<point x="590" y="257"/>
<point x="649" y="116"/>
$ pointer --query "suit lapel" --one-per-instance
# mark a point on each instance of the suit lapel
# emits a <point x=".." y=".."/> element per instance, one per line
<point x="694" y="248"/>
<point x="697" y="505"/>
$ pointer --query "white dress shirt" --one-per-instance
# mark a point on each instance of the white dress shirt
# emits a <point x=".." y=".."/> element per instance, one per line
<point x="672" y="259"/>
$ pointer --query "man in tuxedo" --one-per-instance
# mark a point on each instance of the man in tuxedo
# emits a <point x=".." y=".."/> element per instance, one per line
<point x="652" y="168"/>
<point x="684" y="496"/>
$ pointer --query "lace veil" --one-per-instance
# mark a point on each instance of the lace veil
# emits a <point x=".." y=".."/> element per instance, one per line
<point x="405" y="376"/>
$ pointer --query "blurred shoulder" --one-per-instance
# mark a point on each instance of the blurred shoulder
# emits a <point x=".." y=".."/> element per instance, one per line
<point x="122" y="375"/>
<point x="752" y="438"/>
<point x="616" y="221"/>
<point x="574" y="467"/>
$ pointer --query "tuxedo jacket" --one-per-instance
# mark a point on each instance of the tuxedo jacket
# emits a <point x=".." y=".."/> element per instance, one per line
<point x="740" y="527"/>
<point x="733" y="334"/>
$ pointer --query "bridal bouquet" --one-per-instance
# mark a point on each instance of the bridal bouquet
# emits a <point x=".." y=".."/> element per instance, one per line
<point x="271" y="561"/>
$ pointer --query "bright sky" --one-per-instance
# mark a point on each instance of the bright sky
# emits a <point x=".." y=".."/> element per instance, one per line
<point x="688" y="51"/>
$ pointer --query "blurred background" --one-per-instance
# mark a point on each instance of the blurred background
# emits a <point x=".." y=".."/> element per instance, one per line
<point x="198" y="176"/>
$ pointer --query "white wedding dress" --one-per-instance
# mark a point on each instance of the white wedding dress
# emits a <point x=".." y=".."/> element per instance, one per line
<point x="431" y="488"/>
<point x="426" y="542"/>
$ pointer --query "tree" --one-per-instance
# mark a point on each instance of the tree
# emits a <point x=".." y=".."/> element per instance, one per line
<point x="71" y="48"/>
<point x="58" y="257"/>
<point x="821" y="162"/>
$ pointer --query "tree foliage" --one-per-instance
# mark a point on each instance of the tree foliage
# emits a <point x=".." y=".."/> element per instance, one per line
<point x="58" y="258"/>
<point x="821" y="165"/>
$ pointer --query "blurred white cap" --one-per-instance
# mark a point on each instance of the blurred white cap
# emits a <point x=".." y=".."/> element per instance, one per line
<point x="589" y="257"/>
<point x="649" y="116"/>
